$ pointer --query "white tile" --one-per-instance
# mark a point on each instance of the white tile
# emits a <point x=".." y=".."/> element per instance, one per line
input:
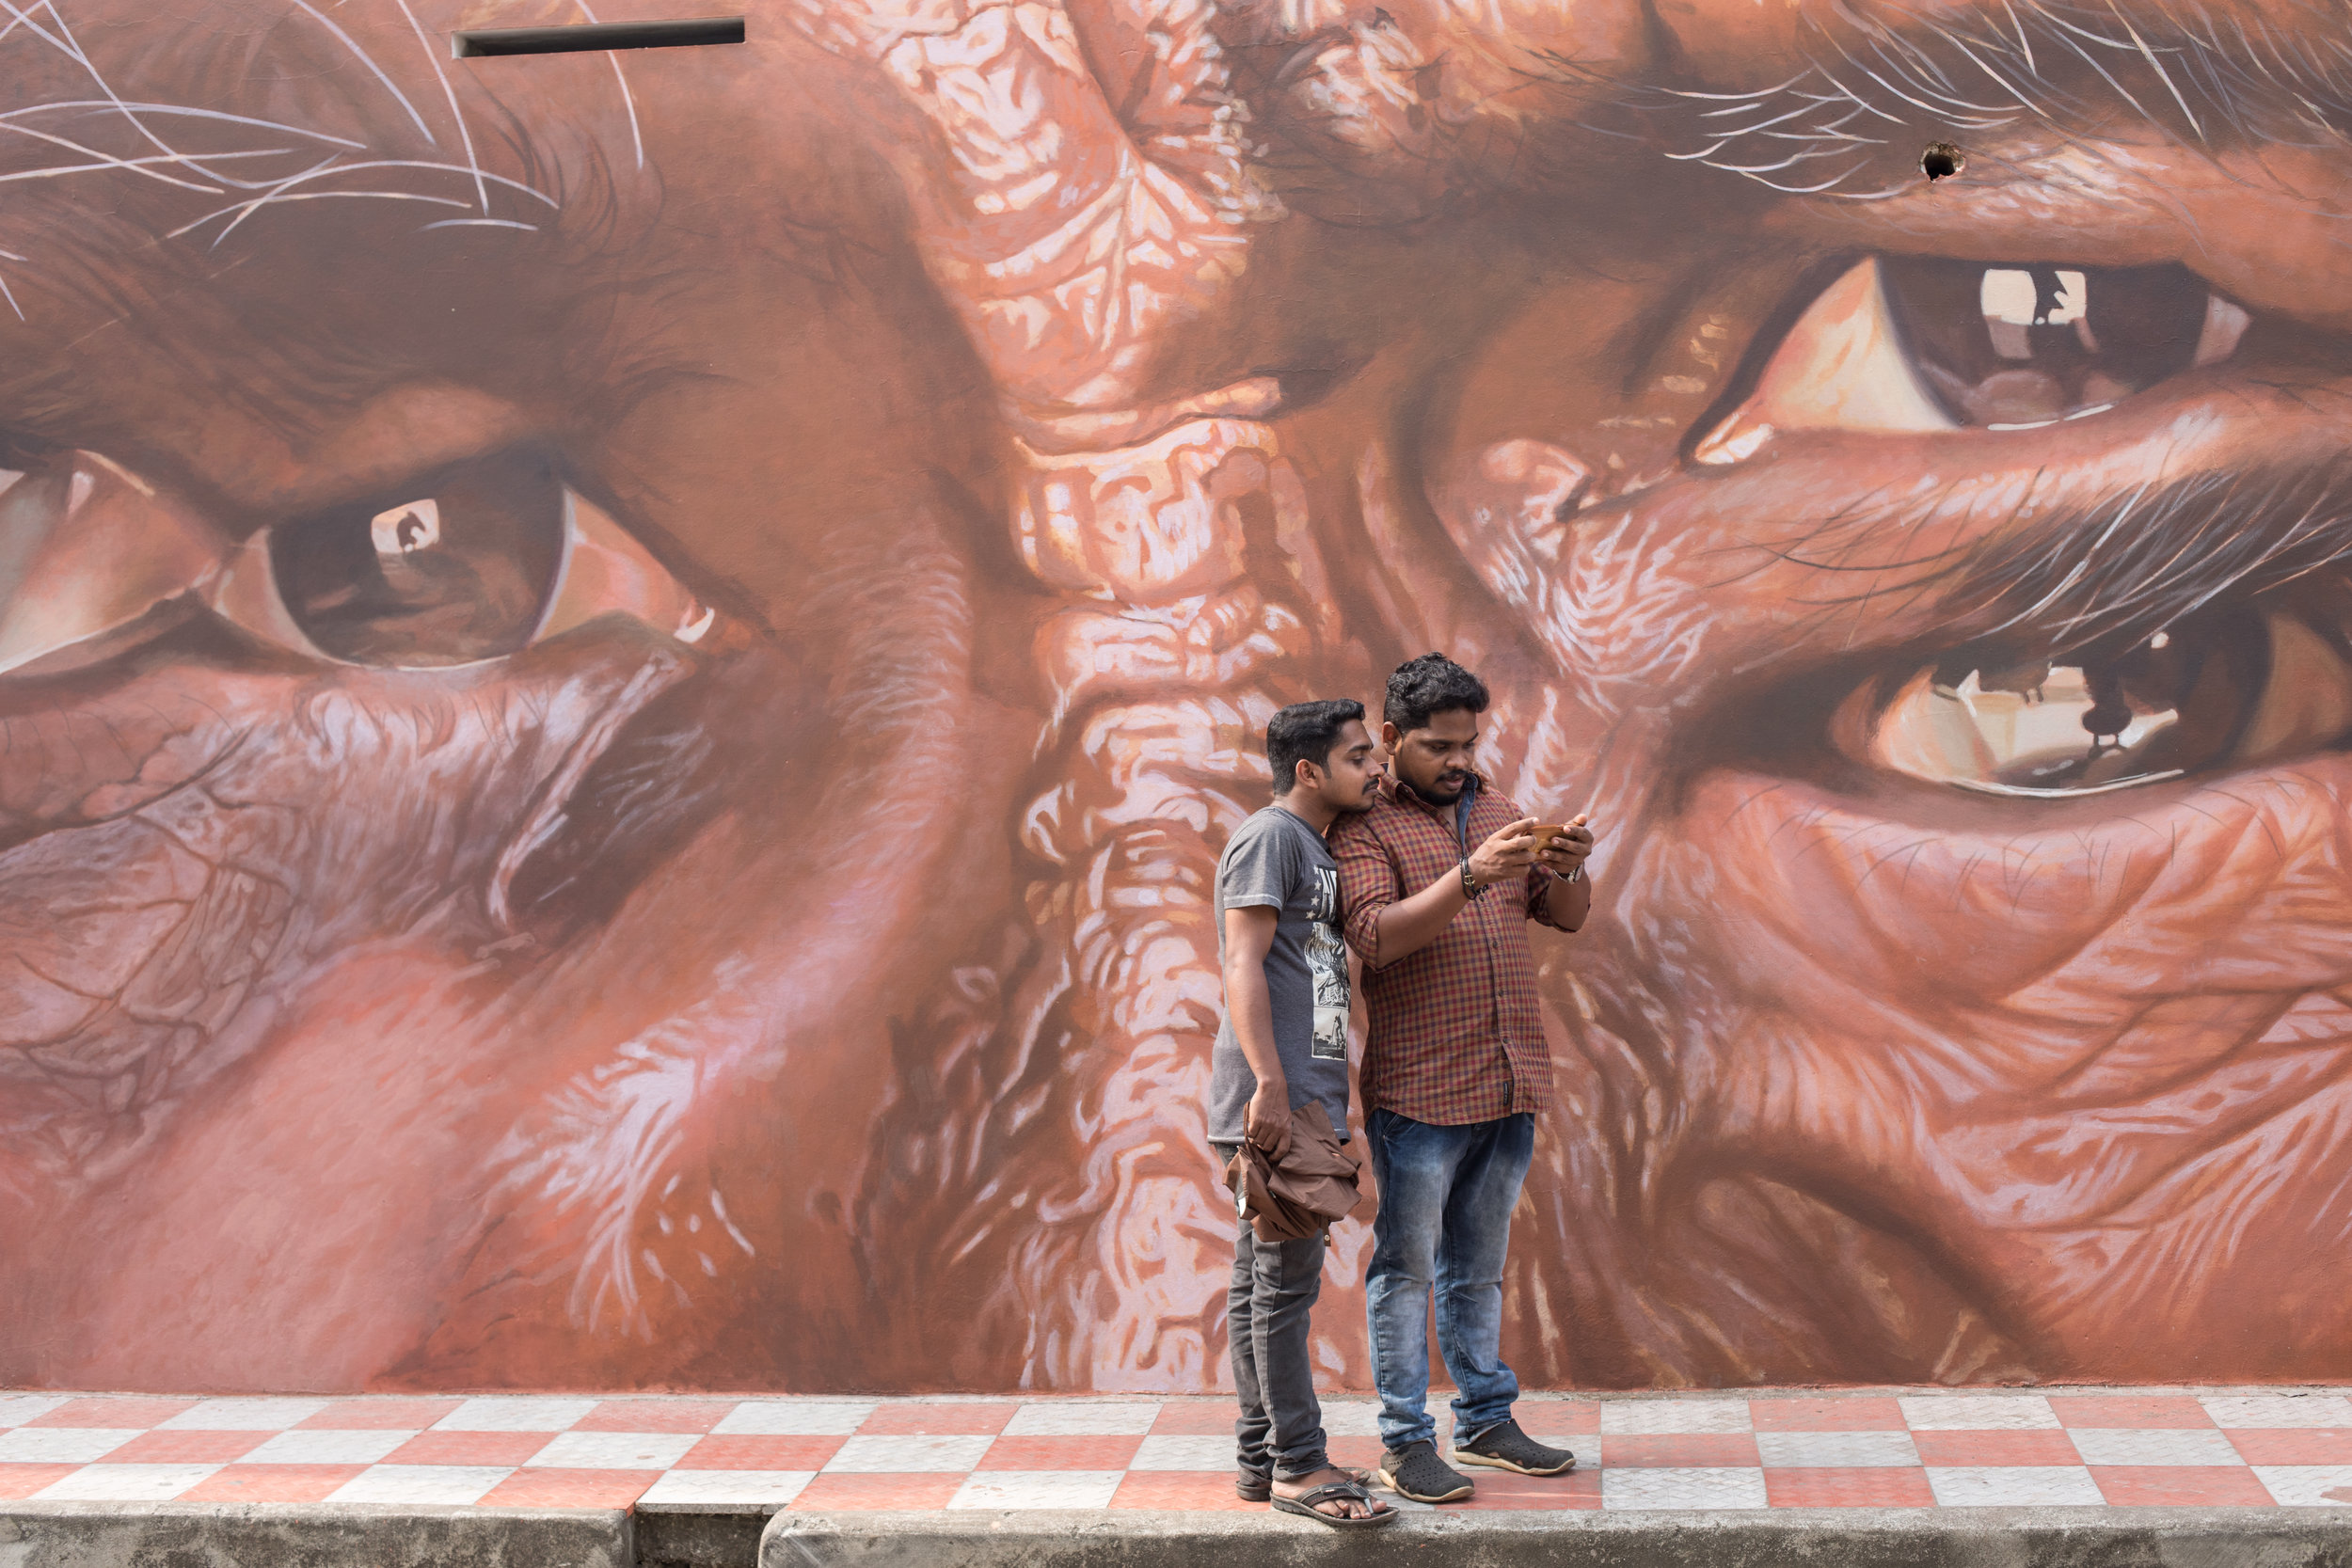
<point x="614" y="1450"/>
<point x="1978" y="1413"/>
<point x="327" y="1448"/>
<point x="2278" y="1410"/>
<point x="1169" y="1451"/>
<point x="1351" y="1419"/>
<point x="1077" y="1417"/>
<point x="2308" y="1485"/>
<point x="1038" y="1489"/>
<point x="2153" y="1446"/>
<point x="506" y="1414"/>
<point x="124" y="1483"/>
<point x="420" y="1483"/>
<point x="728" y="1487"/>
<point x="883" y="1454"/>
<point x="1711" y="1486"/>
<point x="17" y="1409"/>
<point x="1816" y="1448"/>
<point x="271" y="1415"/>
<point x="793" y="1418"/>
<point x="62" y="1445"/>
<point x="2014" y="1486"/>
<point x="1637" y="1416"/>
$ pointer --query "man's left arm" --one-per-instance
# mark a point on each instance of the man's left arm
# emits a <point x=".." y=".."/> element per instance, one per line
<point x="1560" y="890"/>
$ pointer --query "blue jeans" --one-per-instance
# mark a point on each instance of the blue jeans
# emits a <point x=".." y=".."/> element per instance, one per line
<point x="1446" y="1196"/>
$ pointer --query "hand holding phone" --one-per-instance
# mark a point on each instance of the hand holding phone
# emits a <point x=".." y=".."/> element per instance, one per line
<point x="1562" y="846"/>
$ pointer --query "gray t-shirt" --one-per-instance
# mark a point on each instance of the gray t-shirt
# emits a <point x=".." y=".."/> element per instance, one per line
<point x="1277" y="860"/>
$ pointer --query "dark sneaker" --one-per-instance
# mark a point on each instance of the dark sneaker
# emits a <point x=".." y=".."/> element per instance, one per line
<point x="1415" y="1471"/>
<point x="1505" y="1447"/>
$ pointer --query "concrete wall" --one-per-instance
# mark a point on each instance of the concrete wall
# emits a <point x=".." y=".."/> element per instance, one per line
<point x="624" y="673"/>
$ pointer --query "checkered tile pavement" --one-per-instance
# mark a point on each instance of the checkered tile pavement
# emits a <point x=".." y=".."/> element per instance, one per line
<point x="1845" y="1449"/>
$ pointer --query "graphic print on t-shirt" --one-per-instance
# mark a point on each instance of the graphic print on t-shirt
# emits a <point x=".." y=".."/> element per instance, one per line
<point x="1327" y="961"/>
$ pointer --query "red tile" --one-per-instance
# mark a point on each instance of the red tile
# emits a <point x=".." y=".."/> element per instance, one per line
<point x="2180" y="1486"/>
<point x="470" y="1448"/>
<point x="761" y="1454"/>
<point x="271" y="1483"/>
<point x="1196" y="1418"/>
<point x="1500" y="1489"/>
<point x="1651" y="1450"/>
<point x="570" y="1488"/>
<point x="1354" y="1453"/>
<point x="1177" y="1489"/>
<point x="1830" y="1486"/>
<point x="19" y="1481"/>
<point x="378" y="1415"/>
<point x="188" y="1447"/>
<point x="1995" y="1448"/>
<point x="850" y="1491"/>
<point x="2144" y="1411"/>
<point x="2292" y="1444"/>
<point x="656" y="1415"/>
<point x="1573" y="1418"/>
<point x="1857" y="1413"/>
<point x="938" y="1420"/>
<point x="1089" y="1452"/>
<point x="106" y="1411"/>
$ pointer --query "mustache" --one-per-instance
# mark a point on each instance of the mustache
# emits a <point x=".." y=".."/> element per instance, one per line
<point x="2119" y="568"/>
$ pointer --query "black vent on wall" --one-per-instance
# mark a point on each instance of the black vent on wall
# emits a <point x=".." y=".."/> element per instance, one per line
<point x="583" y="37"/>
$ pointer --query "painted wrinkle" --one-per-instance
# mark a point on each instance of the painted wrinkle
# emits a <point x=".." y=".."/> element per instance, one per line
<point x="172" y="874"/>
<point x="1095" y="195"/>
<point x="2084" y="1065"/>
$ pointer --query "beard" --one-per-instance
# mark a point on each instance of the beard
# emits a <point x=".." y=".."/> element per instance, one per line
<point x="1444" y="790"/>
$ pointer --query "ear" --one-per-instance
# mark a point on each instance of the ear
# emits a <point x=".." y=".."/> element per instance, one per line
<point x="1390" y="735"/>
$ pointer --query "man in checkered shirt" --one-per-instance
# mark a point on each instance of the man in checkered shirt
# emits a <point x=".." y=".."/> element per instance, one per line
<point x="1437" y="882"/>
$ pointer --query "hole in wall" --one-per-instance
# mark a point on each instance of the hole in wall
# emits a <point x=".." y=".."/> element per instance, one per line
<point x="581" y="36"/>
<point x="1941" y="161"/>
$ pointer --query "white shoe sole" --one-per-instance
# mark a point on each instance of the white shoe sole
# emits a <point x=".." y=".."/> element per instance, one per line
<point x="1462" y="1456"/>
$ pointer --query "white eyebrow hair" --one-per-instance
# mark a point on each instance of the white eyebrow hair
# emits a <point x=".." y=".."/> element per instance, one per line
<point x="369" y="60"/>
<point x="102" y="132"/>
<point x="2008" y="64"/>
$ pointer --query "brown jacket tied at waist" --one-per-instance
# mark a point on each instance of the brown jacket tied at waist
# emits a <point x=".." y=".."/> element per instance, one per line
<point x="1292" y="1192"/>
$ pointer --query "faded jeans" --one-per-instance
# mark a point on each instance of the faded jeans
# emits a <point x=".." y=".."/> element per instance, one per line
<point x="1274" y="1291"/>
<point x="1446" y="1196"/>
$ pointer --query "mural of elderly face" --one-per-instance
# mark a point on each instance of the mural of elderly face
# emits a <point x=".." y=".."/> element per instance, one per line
<point x="622" y="672"/>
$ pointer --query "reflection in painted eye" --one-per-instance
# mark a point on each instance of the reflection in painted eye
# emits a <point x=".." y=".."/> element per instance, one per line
<point x="2232" y="689"/>
<point x="2009" y="348"/>
<point x="474" y="562"/>
<point x="1909" y="344"/>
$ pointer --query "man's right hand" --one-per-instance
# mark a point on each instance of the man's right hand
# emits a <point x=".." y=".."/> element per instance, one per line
<point x="1266" y="1120"/>
<point x="1509" y="853"/>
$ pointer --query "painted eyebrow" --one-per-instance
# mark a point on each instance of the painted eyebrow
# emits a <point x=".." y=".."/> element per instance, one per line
<point x="1877" y="89"/>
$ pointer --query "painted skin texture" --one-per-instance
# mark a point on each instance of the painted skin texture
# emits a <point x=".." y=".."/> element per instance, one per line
<point x="817" y="994"/>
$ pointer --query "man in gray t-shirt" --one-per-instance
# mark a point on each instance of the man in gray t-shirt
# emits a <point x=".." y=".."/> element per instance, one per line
<point x="1282" y="1044"/>
<point x="1276" y="860"/>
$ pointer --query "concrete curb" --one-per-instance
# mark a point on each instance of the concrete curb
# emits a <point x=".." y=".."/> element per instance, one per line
<point x="299" y="1535"/>
<point x="1783" y="1538"/>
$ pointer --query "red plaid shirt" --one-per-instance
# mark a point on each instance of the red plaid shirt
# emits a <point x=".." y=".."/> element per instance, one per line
<point x="1455" y="1036"/>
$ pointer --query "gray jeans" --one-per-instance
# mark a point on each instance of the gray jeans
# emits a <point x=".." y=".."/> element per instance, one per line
<point x="1266" y="1310"/>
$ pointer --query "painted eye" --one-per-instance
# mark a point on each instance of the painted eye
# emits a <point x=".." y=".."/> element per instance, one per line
<point x="472" y="563"/>
<point x="1907" y="344"/>
<point x="2229" y="689"/>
